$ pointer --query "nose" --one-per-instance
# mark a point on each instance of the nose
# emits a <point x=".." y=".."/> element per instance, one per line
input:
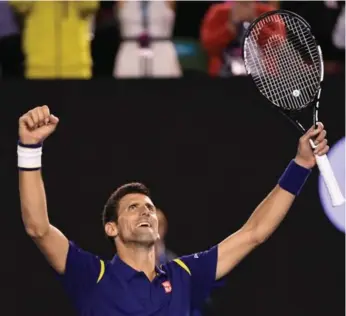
<point x="145" y="211"/>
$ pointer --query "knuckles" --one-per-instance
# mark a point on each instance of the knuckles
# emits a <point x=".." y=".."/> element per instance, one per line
<point x="35" y="113"/>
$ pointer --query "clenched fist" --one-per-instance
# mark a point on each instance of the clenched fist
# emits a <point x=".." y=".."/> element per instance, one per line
<point x="36" y="125"/>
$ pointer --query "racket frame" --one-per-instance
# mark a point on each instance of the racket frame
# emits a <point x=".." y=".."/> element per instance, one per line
<point x="323" y="163"/>
<point x="315" y="99"/>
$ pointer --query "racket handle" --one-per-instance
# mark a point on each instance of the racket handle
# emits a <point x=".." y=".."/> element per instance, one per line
<point x="330" y="180"/>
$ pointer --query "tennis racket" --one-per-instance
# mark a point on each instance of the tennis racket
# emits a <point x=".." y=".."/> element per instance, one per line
<point x="285" y="62"/>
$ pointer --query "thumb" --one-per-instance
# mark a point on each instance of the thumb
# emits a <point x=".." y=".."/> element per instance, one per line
<point x="312" y="132"/>
<point x="53" y="119"/>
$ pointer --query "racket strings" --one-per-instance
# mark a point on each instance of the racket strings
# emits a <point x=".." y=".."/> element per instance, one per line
<point x="286" y="68"/>
<point x="284" y="63"/>
<point x="285" y="84"/>
<point x="294" y="79"/>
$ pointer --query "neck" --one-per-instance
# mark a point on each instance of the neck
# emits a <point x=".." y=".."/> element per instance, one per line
<point x="139" y="258"/>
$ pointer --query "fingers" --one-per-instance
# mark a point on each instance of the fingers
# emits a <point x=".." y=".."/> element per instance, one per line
<point x="46" y="113"/>
<point x="27" y="120"/>
<point x="34" y="116"/>
<point x="38" y="117"/>
<point x="321" y="136"/>
<point x="317" y="139"/>
<point x="312" y="132"/>
<point x="323" y="151"/>
<point x="322" y="148"/>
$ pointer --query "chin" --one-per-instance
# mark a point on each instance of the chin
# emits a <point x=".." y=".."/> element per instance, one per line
<point x="146" y="243"/>
<point x="148" y="240"/>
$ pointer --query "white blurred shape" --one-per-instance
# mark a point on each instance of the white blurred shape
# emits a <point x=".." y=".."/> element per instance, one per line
<point x="336" y="157"/>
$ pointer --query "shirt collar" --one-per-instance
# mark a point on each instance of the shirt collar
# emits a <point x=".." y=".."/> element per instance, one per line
<point x="122" y="269"/>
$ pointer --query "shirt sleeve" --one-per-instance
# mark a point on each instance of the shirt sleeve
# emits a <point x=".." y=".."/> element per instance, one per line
<point x="81" y="274"/>
<point x="202" y="268"/>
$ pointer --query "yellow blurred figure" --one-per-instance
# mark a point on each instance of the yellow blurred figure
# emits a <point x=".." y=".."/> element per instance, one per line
<point x="56" y="38"/>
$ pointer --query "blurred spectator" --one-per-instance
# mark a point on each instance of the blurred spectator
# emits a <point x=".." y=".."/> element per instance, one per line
<point x="163" y="255"/>
<point x="323" y="18"/>
<point x="56" y="38"/>
<point x="147" y="49"/>
<point x="11" y="57"/>
<point x="221" y="34"/>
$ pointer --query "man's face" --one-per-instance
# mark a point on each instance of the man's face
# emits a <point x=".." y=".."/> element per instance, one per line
<point x="137" y="220"/>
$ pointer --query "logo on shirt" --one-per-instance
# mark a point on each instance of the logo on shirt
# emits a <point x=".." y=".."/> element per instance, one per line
<point x="167" y="286"/>
<point x="196" y="256"/>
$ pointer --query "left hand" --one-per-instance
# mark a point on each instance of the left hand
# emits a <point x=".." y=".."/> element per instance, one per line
<point x="306" y="155"/>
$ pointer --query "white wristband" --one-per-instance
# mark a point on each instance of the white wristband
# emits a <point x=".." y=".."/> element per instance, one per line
<point x="29" y="158"/>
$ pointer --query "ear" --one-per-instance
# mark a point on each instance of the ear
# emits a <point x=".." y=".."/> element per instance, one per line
<point x="111" y="229"/>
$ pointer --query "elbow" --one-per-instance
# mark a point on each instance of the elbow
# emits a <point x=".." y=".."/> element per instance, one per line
<point x="36" y="232"/>
<point x="254" y="236"/>
<point x="259" y="237"/>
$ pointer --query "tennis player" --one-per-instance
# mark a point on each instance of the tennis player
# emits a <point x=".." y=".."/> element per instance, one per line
<point x="131" y="283"/>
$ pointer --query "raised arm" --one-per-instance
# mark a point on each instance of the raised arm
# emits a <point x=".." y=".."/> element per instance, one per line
<point x="34" y="127"/>
<point x="272" y="210"/>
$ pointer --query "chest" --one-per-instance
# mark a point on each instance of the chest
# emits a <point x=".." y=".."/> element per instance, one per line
<point x="138" y="296"/>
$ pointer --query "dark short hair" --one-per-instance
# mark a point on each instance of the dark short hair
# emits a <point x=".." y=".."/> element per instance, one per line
<point x="110" y="211"/>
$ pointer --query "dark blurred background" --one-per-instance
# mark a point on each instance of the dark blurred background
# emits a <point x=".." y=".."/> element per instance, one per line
<point x="209" y="148"/>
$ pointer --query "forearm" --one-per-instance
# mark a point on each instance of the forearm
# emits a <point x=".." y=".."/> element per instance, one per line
<point x="269" y="214"/>
<point x="33" y="203"/>
<point x="272" y="210"/>
<point x="264" y="220"/>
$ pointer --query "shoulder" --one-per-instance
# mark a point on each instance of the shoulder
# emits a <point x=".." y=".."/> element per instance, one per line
<point x="196" y="263"/>
<point x="83" y="271"/>
<point x="80" y="259"/>
<point x="176" y="266"/>
<point x="75" y="250"/>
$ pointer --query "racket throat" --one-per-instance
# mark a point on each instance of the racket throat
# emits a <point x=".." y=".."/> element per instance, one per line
<point x="301" y="126"/>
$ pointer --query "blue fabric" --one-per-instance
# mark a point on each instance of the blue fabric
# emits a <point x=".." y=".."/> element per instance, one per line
<point x="8" y="24"/>
<point x="294" y="178"/>
<point x="124" y="291"/>
<point x="30" y="145"/>
<point x="29" y="169"/>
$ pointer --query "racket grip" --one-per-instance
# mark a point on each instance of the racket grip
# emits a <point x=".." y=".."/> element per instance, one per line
<point x="330" y="180"/>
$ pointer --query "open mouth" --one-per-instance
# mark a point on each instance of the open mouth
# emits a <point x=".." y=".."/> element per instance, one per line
<point x="144" y="224"/>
